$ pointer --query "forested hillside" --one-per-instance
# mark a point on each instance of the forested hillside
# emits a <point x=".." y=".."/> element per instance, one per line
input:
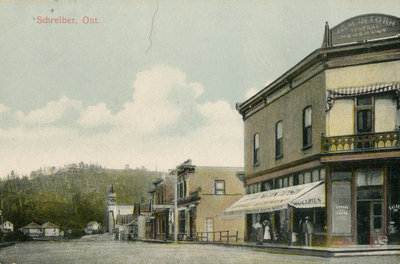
<point x="70" y="197"/>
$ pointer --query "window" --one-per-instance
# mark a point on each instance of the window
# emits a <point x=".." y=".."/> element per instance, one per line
<point x="315" y="175"/>
<point x="369" y="177"/>
<point x="266" y="185"/>
<point x="307" y="127"/>
<point x="219" y="186"/>
<point x="364" y="114"/>
<point x="182" y="189"/>
<point x="256" y="149"/>
<point x="307" y="177"/>
<point x="278" y="140"/>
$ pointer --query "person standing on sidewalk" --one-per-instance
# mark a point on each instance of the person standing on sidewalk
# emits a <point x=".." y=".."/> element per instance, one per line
<point x="259" y="231"/>
<point x="307" y="231"/>
<point x="267" y="231"/>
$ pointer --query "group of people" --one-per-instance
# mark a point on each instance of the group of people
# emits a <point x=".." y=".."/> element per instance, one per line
<point x="265" y="233"/>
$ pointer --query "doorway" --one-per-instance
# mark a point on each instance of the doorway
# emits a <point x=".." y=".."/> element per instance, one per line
<point x="363" y="223"/>
<point x="369" y="221"/>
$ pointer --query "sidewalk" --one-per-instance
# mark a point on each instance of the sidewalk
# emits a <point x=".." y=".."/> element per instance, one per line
<point x="354" y="250"/>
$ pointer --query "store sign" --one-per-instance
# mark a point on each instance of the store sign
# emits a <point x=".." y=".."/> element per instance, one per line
<point x="365" y="27"/>
<point x="342" y="209"/>
<point x="311" y="199"/>
<point x="268" y="201"/>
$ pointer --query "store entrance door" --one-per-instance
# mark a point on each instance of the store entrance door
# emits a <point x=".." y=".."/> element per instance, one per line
<point x="369" y="222"/>
<point x="363" y="223"/>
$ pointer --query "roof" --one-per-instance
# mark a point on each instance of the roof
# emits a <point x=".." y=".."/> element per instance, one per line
<point x="93" y="223"/>
<point x="124" y="219"/>
<point x="49" y="225"/>
<point x="32" y="225"/>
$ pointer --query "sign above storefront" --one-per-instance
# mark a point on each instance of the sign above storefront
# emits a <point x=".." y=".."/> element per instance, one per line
<point x="314" y="198"/>
<point x="365" y="27"/>
<point x="278" y="199"/>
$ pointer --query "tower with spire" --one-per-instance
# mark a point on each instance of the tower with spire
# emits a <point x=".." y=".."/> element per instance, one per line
<point x="110" y="209"/>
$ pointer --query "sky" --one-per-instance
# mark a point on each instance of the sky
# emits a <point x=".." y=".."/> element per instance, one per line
<point x="146" y="83"/>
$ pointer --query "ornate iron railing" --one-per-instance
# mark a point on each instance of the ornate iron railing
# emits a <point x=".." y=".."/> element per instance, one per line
<point x="360" y="142"/>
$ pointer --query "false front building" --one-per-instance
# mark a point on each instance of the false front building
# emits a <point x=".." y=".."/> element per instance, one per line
<point x="203" y="195"/>
<point x="323" y="138"/>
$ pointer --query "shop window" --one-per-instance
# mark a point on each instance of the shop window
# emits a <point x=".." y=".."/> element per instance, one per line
<point x="370" y="177"/>
<point x="285" y="182"/>
<point x="256" y="149"/>
<point x="320" y="220"/>
<point x="219" y="186"/>
<point x="253" y="188"/>
<point x="307" y="127"/>
<point x="364" y="114"/>
<point x="341" y="202"/>
<point x="307" y="177"/>
<point x="290" y="179"/>
<point x="278" y="140"/>
<point x="315" y="175"/>
<point x="296" y="179"/>
<point x="301" y="178"/>
<point x="322" y="174"/>
<point x="266" y="185"/>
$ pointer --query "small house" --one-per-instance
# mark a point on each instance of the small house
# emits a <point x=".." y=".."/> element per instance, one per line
<point x="92" y="227"/>
<point x="33" y="230"/>
<point x="50" y="230"/>
<point x="7" y="226"/>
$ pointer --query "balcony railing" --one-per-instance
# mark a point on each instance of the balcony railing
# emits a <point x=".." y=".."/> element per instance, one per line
<point x="360" y="142"/>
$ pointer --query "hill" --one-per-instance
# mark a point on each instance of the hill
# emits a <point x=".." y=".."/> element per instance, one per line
<point x="71" y="196"/>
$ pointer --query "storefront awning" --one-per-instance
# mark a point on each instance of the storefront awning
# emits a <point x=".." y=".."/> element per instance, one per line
<point x="269" y="201"/>
<point x="313" y="198"/>
<point x="358" y="91"/>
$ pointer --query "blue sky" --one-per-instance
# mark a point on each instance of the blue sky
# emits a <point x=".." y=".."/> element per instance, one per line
<point x="100" y="93"/>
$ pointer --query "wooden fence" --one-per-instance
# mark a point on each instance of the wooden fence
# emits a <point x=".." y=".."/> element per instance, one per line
<point x="217" y="236"/>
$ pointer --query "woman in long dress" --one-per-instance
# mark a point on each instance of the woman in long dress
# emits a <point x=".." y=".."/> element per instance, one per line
<point x="259" y="229"/>
<point x="267" y="231"/>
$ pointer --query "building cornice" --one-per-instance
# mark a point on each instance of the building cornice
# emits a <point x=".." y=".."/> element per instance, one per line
<point x="298" y="165"/>
<point x="322" y="59"/>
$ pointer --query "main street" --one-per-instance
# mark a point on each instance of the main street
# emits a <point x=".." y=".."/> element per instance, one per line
<point x="84" y="251"/>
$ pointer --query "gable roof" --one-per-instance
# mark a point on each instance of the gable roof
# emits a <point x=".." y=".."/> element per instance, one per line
<point x="32" y="225"/>
<point x="49" y="225"/>
<point x="93" y="223"/>
<point x="124" y="219"/>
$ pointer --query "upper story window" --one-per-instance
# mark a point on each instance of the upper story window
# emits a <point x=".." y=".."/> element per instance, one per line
<point x="278" y="140"/>
<point x="182" y="189"/>
<point x="364" y="114"/>
<point x="307" y="127"/>
<point x="219" y="186"/>
<point x="256" y="149"/>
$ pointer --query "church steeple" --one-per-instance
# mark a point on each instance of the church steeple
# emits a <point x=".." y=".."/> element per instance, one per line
<point x="111" y="196"/>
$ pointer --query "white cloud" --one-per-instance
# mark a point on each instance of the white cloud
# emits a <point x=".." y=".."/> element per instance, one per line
<point x="156" y="99"/>
<point x="52" y="112"/>
<point x="163" y="122"/>
<point x="4" y="108"/>
<point x="94" y="116"/>
<point x="250" y="92"/>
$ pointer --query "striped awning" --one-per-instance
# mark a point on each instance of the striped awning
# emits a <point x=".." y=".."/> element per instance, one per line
<point x="277" y="199"/>
<point x="333" y="95"/>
